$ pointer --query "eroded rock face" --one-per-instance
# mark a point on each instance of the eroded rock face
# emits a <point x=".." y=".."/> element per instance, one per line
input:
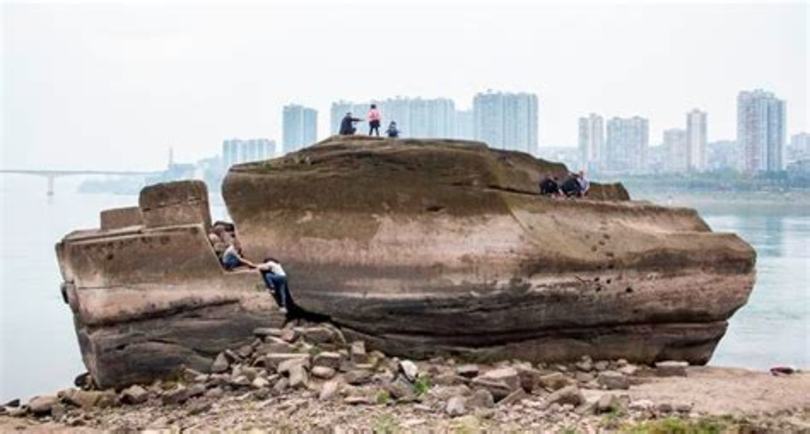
<point x="418" y="247"/>
<point x="148" y="293"/>
<point x="424" y="247"/>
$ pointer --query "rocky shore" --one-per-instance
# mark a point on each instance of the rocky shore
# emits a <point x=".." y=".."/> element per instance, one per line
<point x="309" y="378"/>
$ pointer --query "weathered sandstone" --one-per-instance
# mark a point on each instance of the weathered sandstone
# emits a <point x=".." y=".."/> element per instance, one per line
<point x="417" y="247"/>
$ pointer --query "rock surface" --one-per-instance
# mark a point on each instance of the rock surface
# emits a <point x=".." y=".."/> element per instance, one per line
<point x="431" y="247"/>
<point x="416" y="247"/>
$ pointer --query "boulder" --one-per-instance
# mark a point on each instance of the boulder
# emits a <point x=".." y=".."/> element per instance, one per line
<point x="323" y="372"/>
<point x="357" y="376"/>
<point x="554" y="381"/>
<point x="567" y="395"/>
<point x="88" y="398"/>
<point x="671" y="368"/>
<point x="404" y="243"/>
<point x="41" y="405"/>
<point x="468" y="370"/>
<point x="134" y="394"/>
<point x="328" y="359"/>
<point x="480" y="398"/>
<point x="409" y="370"/>
<point x="613" y="380"/>
<point x="455" y="406"/>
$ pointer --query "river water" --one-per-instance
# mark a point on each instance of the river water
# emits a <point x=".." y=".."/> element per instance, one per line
<point x="39" y="352"/>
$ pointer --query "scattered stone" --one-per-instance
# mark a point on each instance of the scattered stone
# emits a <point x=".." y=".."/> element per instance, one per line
<point x="585" y="364"/>
<point x="357" y="376"/>
<point x="400" y="389"/>
<point x="87" y="399"/>
<point x="323" y="372"/>
<point x="245" y="351"/>
<point x="601" y="365"/>
<point x="467" y="370"/>
<point x="178" y="395"/>
<point x="683" y="408"/>
<point x="628" y="369"/>
<point x="329" y="389"/>
<point x="409" y="369"/>
<point x="16" y="411"/>
<point x="198" y="406"/>
<point x="642" y="405"/>
<point x="664" y="407"/>
<point x="298" y="376"/>
<point x="260" y="383"/>
<point x="529" y="377"/>
<point x="358" y="352"/>
<point x="567" y="395"/>
<point x="13" y="403"/>
<point x="316" y="335"/>
<point x="275" y="345"/>
<point x="554" y="381"/>
<point x="274" y="360"/>
<point x="500" y="382"/>
<point x="455" y="406"/>
<point x="612" y="380"/>
<point x="215" y="392"/>
<point x="287" y="365"/>
<point x="289" y="335"/>
<point x="220" y="364"/>
<point x="328" y="359"/>
<point x="134" y="394"/>
<point x="281" y="385"/>
<point x="58" y="411"/>
<point x="481" y="398"/>
<point x="671" y="368"/>
<point x="358" y="400"/>
<point x="263" y="332"/>
<point x="608" y="403"/>
<point x="41" y="405"/>
<point x="514" y="397"/>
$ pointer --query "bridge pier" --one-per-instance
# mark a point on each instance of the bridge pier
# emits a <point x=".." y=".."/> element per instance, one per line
<point x="51" y="179"/>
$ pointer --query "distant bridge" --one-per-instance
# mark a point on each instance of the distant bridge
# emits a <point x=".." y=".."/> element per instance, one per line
<point x="51" y="175"/>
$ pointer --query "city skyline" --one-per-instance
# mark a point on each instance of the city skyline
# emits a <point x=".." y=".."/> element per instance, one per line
<point x="154" y="76"/>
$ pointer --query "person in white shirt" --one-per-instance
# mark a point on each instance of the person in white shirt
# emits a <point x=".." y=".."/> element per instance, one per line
<point x="274" y="276"/>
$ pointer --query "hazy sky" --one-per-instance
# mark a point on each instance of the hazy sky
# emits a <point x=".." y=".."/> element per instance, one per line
<point x="92" y="85"/>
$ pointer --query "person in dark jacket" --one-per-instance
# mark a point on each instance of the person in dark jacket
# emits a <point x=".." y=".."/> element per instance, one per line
<point x="571" y="187"/>
<point x="392" y="130"/>
<point x="347" y="125"/>
<point x="549" y="186"/>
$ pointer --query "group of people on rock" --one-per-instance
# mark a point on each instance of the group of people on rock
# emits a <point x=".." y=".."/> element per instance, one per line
<point x="229" y="251"/>
<point x="374" y="118"/>
<point x="574" y="185"/>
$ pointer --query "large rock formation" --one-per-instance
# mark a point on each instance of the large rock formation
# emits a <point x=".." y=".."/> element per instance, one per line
<point x="419" y="247"/>
<point x="429" y="246"/>
<point x="148" y="293"/>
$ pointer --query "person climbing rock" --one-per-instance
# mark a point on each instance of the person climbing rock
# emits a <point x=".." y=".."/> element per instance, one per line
<point x="232" y="256"/>
<point x="276" y="279"/>
<point x="347" y="125"/>
<point x="374" y="121"/>
<point x="392" y="130"/>
<point x="220" y="239"/>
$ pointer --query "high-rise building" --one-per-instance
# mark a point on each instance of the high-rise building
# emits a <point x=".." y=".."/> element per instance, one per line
<point x="761" y="130"/>
<point x="799" y="148"/>
<point x="415" y="117"/>
<point x="236" y="151"/>
<point x="465" y="128"/>
<point x="722" y="155"/>
<point x="676" y="149"/>
<point x="591" y="141"/>
<point x="300" y="127"/>
<point x="506" y="120"/>
<point x="696" y="140"/>
<point x="626" y="144"/>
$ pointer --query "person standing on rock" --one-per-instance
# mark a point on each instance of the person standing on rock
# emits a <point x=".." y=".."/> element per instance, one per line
<point x="347" y="125"/>
<point x="374" y="119"/>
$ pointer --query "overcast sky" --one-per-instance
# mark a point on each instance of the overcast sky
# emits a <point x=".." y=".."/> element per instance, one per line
<point x="91" y="85"/>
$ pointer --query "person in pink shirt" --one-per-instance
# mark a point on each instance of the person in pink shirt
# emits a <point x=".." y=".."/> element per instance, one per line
<point x="374" y="119"/>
